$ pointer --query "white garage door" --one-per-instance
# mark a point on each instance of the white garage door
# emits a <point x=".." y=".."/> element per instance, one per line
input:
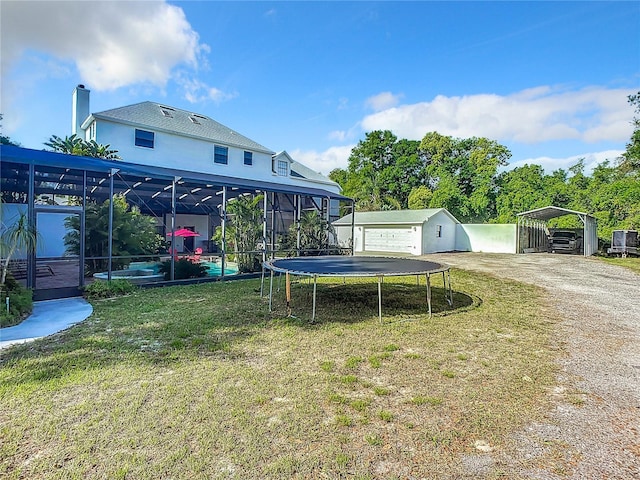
<point x="390" y="240"/>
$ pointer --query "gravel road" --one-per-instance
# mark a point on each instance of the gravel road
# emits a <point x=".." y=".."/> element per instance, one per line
<point x="596" y="402"/>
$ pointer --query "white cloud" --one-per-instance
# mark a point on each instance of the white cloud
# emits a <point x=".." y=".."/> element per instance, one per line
<point x="530" y="116"/>
<point x="324" y="162"/>
<point x="112" y="44"/>
<point x="196" y="91"/>
<point x="383" y="101"/>
<point x="591" y="160"/>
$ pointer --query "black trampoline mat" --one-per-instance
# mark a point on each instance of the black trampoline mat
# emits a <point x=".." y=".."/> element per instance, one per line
<point x="359" y="266"/>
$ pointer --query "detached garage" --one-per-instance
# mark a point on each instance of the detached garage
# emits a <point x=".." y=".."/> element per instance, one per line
<point x="414" y="232"/>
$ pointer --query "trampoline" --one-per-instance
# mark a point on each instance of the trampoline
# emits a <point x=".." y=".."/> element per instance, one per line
<point x="355" y="266"/>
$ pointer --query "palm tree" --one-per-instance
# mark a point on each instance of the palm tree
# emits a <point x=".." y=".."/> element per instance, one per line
<point x="75" y="145"/>
<point x="17" y="236"/>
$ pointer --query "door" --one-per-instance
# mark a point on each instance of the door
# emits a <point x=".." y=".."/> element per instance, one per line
<point x="58" y="271"/>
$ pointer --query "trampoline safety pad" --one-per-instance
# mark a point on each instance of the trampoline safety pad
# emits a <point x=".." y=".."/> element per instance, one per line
<point x="355" y="266"/>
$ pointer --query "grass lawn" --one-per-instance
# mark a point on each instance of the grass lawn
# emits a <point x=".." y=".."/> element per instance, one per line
<point x="203" y="382"/>
<point x="632" y="263"/>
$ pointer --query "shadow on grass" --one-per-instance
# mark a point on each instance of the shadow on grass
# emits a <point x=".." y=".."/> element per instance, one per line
<point x="357" y="302"/>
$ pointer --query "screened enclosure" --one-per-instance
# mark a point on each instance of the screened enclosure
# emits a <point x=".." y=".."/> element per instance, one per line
<point x="99" y="220"/>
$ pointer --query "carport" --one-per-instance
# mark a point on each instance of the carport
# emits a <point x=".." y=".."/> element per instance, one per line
<point x="532" y="229"/>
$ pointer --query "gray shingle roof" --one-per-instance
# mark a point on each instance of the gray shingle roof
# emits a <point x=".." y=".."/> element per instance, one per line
<point x="151" y="116"/>
<point x="392" y="217"/>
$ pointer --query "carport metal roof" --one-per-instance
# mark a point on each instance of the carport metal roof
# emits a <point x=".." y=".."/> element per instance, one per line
<point x="547" y="213"/>
<point x="590" y="235"/>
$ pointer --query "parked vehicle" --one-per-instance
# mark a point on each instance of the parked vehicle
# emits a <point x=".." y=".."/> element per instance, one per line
<point x="624" y="242"/>
<point x="565" y="241"/>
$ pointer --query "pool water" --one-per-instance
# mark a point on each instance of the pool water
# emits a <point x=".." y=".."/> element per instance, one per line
<point x="213" y="268"/>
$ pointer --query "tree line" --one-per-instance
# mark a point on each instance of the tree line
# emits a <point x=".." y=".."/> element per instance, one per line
<point x="463" y="175"/>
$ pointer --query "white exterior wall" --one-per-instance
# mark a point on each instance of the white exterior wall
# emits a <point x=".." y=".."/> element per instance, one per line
<point x="489" y="238"/>
<point x="193" y="154"/>
<point x="431" y="243"/>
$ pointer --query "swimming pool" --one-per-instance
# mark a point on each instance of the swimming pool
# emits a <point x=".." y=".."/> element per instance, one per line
<point x="213" y="268"/>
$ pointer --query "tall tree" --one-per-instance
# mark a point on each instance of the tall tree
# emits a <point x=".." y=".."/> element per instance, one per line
<point x="466" y="171"/>
<point x="630" y="162"/>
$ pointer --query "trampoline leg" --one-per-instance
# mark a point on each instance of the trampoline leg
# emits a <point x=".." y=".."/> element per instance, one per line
<point x="428" y="278"/>
<point x="446" y="285"/>
<point x="262" y="284"/>
<point x="288" y="293"/>
<point x="380" y="299"/>
<point x="418" y="280"/>
<point x="313" y="313"/>
<point x="270" y="290"/>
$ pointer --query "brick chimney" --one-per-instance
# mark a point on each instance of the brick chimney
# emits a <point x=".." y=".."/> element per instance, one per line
<point x="80" y="109"/>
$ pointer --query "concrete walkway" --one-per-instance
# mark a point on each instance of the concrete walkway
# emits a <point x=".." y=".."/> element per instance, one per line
<point x="48" y="317"/>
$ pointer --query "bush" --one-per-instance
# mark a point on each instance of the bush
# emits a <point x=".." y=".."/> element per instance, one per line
<point x="109" y="289"/>
<point x="184" y="268"/>
<point x="20" y="302"/>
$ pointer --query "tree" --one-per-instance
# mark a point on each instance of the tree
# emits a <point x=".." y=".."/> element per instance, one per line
<point x="382" y="171"/>
<point x="133" y="234"/>
<point x="630" y="161"/>
<point x="244" y="231"/>
<point x="18" y="235"/>
<point x="462" y="173"/>
<point x="75" y="145"/>
<point x="419" y="198"/>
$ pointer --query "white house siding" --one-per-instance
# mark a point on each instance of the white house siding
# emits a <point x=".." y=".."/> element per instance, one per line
<point x="490" y="238"/>
<point x="185" y="153"/>
<point x="196" y="155"/>
<point x="431" y="242"/>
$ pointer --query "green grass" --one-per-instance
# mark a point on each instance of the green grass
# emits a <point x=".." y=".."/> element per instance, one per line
<point x="203" y="382"/>
<point x="632" y="263"/>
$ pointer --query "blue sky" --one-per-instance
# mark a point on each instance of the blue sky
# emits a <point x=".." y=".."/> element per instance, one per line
<point x="549" y="80"/>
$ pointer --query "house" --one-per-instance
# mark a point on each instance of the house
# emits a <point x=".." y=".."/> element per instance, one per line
<point x="158" y="135"/>
<point x="415" y="232"/>
<point x="155" y="134"/>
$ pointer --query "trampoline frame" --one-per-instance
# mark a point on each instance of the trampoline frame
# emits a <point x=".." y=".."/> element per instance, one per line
<point x="444" y="269"/>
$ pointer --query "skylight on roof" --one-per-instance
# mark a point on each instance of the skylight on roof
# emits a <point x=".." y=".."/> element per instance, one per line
<point x="166" y="111"/>
<point x="194" y="120"/>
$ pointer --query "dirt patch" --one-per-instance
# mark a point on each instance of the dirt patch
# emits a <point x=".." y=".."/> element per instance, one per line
<point x="596" y="415"/>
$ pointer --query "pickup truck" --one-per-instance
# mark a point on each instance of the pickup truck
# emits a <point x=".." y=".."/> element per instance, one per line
<point x="563" y="241"/>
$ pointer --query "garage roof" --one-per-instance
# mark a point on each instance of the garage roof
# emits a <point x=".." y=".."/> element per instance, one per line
<point x="394" y="217"/>
<point x="547" y="213"/>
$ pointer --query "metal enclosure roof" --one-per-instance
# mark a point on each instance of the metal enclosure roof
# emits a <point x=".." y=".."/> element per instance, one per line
<point x="159" y="175"/>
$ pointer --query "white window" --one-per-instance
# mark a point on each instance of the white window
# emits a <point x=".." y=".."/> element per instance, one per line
<point x="439" y="231"/>
<point x="92" y="131"/>
<point x="283" y="168"/>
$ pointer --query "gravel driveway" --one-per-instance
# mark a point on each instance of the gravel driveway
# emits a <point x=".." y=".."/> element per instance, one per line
<point x="596" y="402"/>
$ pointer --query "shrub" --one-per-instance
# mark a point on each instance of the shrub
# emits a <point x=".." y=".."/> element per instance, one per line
<point x="184" y="268"/>
<point x="111" y="288"/>
<point x="20" y="302"/>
